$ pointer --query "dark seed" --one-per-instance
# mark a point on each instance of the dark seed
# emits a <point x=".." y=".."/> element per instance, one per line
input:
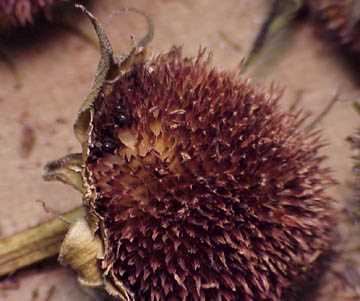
<point x="109" y="146"/>
<point x="121" y="120"/>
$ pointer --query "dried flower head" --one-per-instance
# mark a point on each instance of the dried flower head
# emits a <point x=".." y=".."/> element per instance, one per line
<point x="340" y="19"/>
<point x="196" y="184"/>
<point x="22" y="12"/>
<point x="204" y="189"/>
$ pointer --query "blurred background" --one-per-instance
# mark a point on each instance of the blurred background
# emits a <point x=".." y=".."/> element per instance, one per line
<point x="57" y="68"/>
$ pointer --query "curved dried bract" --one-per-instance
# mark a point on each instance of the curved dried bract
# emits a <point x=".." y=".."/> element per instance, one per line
<point x="340" y="19"/>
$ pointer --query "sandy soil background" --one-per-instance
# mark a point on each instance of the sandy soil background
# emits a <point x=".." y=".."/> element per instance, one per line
<point x="57" y="68"/>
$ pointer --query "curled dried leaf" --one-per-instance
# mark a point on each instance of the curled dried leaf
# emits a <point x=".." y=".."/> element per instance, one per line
<point x="68" y="170"/>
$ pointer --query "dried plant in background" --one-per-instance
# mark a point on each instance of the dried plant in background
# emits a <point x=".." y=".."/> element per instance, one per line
<point x="344" y="276"/>
<point x="339" y="20"/>
<point x="23" y="12"/>
<point x="18" y="16"/>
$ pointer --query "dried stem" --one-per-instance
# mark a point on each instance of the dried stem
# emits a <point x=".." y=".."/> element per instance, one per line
<point x="35" y="244"/>
<point x="281" y="15"/>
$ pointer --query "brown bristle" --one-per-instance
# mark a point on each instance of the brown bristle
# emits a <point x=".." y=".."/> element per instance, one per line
<point x="205" y="190"/>
<point x="340" y="19"/>
<point x="22" y="12"/>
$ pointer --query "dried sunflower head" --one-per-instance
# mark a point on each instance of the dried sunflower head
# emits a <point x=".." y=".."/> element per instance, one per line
<point x="197" y="186"/>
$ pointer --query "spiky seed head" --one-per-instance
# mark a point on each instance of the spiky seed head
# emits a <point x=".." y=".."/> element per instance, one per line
<point x="204" y="189"/>
<point x="22" y="12"/>
<point x="340" y="19"/>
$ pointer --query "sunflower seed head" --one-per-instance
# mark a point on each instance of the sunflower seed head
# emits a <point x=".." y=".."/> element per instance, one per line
<point x="202" y="186"/>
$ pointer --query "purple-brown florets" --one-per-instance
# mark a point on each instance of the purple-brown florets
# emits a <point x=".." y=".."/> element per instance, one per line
<point x="340" y="19"/>
<point x="205" y="190"/>
<point x="23" y="11"/>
